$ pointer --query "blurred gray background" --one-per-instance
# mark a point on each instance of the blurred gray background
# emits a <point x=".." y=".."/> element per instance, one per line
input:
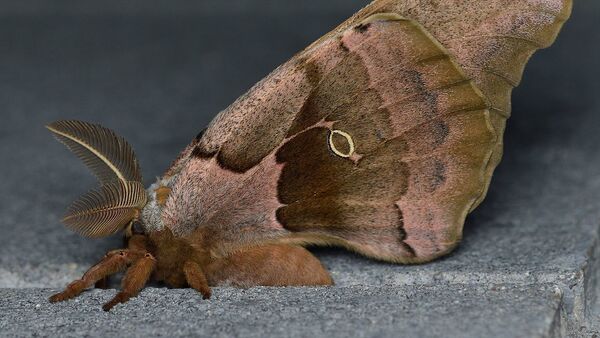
<point x="157" y="72"/>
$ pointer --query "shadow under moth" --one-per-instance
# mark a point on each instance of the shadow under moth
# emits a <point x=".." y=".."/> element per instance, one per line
<point x="380" y="137"/>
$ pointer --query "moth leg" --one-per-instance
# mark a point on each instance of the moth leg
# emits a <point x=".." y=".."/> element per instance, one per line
<point x="134" y="243"/>
<point x="135" y="279"/>
<point x="196" y="278"/>
<point x="113" y="262"/>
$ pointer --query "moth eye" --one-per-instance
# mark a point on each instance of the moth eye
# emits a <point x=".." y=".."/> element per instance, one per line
<point x="137" y="228"/>
<point x="341" y="143"/>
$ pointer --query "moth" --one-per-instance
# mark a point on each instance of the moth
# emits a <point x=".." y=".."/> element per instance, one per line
<point x="380" y="138"/>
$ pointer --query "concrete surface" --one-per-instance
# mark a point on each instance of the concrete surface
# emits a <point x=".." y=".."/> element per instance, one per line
<point x="529" y="265"/>
<point x="365" y="311"/>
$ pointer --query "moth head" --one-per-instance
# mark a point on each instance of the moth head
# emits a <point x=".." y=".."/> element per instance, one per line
<point x="118" y="202"/>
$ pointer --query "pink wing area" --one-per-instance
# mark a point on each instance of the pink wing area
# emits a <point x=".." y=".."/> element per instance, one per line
<point x="422" y="136"/>
<point x="491" y="40"/>
<point x="424" y="121"/>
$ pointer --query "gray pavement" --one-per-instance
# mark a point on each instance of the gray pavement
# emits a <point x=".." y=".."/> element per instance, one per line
<point x="365" y="311"/>
<point x="158" y="71"/>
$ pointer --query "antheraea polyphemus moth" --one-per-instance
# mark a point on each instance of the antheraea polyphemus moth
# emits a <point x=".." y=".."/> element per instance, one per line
<point x="380" y="137"/>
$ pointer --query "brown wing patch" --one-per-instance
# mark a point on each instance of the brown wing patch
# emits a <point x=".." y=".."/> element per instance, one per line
<point x="310" y="166"/>
<point x="334" y="197"/>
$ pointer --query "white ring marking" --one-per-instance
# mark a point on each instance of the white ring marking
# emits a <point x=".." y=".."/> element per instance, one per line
<point x="347" y="137"/>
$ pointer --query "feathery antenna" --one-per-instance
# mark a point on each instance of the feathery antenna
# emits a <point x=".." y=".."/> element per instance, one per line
<point x="105" y="210"/>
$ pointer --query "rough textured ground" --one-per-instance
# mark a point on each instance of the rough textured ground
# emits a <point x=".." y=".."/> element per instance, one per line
<point x="298" y="312"/>
<point x="158" y="71"/>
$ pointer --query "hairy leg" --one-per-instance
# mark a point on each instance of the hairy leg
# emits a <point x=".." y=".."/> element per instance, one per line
<point x="196" y="278"/>
<point x="113" y="262"/>
<point x="135" y="279"/>
<point x="268" y="265"/>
